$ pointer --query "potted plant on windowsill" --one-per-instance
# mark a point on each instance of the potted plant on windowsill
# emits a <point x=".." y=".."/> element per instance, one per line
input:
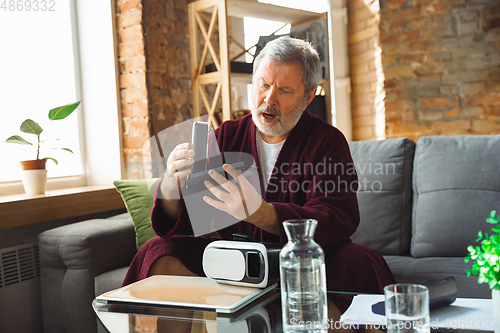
<point x="486" y="260"/>
<point x="34" y="171"/>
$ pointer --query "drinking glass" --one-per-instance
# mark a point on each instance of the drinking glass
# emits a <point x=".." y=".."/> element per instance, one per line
<point x="407" y="308"/>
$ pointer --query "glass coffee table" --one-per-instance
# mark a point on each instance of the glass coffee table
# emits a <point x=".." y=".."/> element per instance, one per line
<point x="261" y="316"/>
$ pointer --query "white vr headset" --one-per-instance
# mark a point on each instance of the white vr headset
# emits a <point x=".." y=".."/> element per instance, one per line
<point x="248" y="264"/>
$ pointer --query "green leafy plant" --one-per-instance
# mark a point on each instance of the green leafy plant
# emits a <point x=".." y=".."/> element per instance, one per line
<point x="31" y="127"/>
<point x="486" y="257"/>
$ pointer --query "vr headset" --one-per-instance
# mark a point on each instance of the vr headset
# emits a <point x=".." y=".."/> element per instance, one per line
<point x="242" y="263"/>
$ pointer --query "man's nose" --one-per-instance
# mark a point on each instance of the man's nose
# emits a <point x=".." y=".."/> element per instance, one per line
<point x="271" y="98"/>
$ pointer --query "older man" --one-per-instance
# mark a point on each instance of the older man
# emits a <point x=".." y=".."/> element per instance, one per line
<point x="288" y="145"/>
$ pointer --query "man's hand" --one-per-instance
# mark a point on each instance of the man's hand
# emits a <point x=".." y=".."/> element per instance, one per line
<point x="179" y="164"/>
<point x="178" y="168"/>
<point x="240" y="199"/>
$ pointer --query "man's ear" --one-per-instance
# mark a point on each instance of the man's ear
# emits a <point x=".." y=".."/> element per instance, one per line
<point x="310" y="97"/>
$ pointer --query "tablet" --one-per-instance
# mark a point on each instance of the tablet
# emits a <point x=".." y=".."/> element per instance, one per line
<point x="196" y="293"/>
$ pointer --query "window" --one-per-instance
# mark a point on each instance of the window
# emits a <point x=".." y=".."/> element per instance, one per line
<point x="38" y="73"/>
<point x="254" y="27"/>
<point x="338" y="59"/>
<point x="51" y="58"/>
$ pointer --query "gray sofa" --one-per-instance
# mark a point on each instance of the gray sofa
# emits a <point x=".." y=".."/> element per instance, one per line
<point x="435" y="197"/>
<point x="421" y="205"/>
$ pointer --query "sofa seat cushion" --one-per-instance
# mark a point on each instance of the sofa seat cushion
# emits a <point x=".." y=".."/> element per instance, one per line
<point x="407" y="269"/>
<point x="466" y="288"/>
<point x="384" y="171"/>
<point x="406" y="265"/>
<point x="398" y="264"/>
<point x="109" y="281"/>
<point x="455" y="187"/>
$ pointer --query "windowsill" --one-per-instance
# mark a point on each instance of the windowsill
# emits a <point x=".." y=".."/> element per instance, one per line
<point x="21" y="210"/>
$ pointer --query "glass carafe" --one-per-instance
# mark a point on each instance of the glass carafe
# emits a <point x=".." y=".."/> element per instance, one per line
<point x="303" y="279"/>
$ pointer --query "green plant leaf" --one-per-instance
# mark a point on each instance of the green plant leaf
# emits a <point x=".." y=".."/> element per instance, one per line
<point x="486" y="257"/>
<point x="29" y="126"/>
<point x="491" y="219"/>
<point x="62" y="112"/>
<point x="48" y="140"/>
<point x="18" y="139"/>
<point x="67" y="149"/>
<point x="52" y="159"/>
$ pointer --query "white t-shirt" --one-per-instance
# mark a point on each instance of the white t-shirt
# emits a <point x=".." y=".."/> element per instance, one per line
<point x="268" y="154"/>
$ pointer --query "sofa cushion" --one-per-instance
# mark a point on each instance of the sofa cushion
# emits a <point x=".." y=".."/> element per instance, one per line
<point x="466" y="287"/>
<point x="137" y="194"/>
<point x="384" y="171"/>
<point x="411" y="270"/>
<point x="398" y="264"/>
<point x="70" y="257"/>
<point x="456" y="185"/>
<point x="110" y="280"/>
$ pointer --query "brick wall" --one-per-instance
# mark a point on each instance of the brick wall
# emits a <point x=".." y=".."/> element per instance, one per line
<point x="134" y="94"/>
<point x="167" y="57"/>
<point x="155" y="82"/>
<point x="438" y="60"/>
<point x="367" y="93"/>
<point x="441" y="61"/>
<point x="169" y="68"/>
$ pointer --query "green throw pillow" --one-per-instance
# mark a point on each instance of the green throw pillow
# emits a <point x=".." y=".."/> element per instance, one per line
<point x="139" y="202"/>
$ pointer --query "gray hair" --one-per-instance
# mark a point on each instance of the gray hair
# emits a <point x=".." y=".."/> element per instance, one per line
<point x="285" y="50"/>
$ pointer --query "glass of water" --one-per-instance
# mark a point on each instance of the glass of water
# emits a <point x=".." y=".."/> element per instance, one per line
<point x="407" y="308"/>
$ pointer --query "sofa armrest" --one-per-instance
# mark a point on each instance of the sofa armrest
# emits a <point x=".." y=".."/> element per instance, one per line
<point x="70" y="257"/>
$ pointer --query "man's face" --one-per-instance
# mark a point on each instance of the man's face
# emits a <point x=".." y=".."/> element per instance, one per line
<point x="278" y="98"/>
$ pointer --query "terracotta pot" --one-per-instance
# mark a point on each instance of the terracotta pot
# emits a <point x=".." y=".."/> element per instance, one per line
<point x="33" y="164"/>
<point x="34" y="176"/>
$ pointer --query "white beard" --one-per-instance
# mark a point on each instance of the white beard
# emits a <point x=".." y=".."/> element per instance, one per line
<point x="280" y="126"/>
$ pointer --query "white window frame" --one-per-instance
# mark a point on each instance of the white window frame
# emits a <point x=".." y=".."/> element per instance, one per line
<point x="340" y="81"/>
<point x="97" y="36"/>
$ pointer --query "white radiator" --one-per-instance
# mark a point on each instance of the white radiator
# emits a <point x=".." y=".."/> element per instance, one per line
<point x="20" y="301"/>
